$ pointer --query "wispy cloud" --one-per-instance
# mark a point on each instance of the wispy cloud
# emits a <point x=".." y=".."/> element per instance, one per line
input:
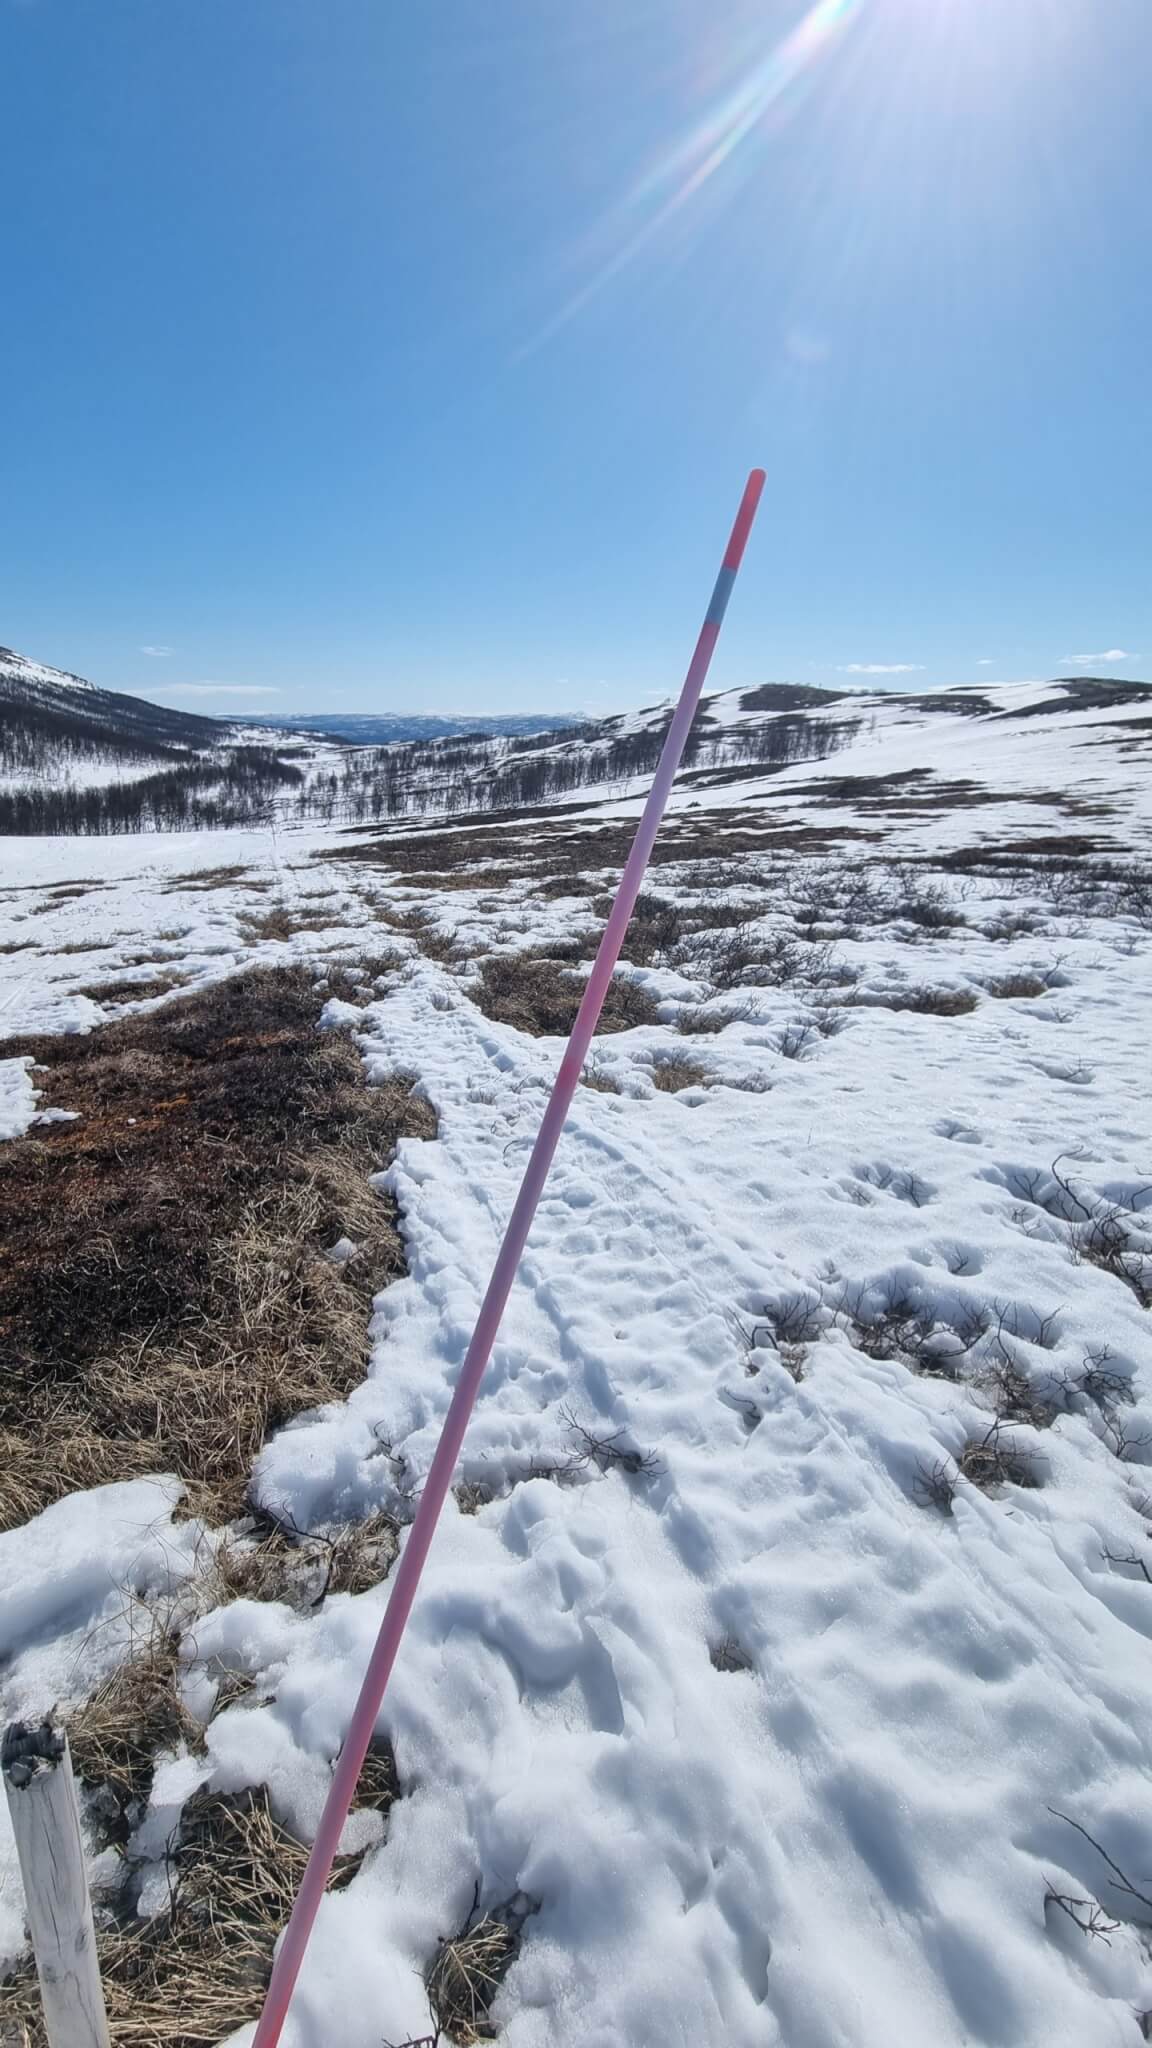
<point x="219" y="690"/>
<point x="986" y="663"/>
<point x="1108" y="654"/>
<point x="158" y="653"/>
<point x="881" y="668"/>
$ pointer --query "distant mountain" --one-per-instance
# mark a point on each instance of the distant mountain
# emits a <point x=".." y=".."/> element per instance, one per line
<point x="17" y="669"/>
<point x="387" y="729"/>
<point x="81" y="718"/>
<point x="75" y="758"/>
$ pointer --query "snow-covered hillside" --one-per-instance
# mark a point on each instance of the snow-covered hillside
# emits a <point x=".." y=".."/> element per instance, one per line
<point x="76" y="759"/>
<point x="59" y="732"/>
<point x="18" y="671"/>
<point x="780" y="1678"/>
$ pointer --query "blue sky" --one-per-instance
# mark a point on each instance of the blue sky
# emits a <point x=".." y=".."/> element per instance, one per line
<point x="363" y="356"/>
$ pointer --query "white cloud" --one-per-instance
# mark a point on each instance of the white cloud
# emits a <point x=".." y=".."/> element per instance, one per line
<point x="986" y="663"/>
<point x="881" y="668"/>
<point x="158" y="653"/>
<point x="220" y="690"/>
<point x="1109" y="654"/>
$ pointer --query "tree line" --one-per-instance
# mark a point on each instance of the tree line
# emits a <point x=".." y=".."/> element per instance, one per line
<point x="470" y="775"/>
<point x="198" y="796"/>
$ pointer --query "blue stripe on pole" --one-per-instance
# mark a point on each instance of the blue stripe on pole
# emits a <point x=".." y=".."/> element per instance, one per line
<point x="720" y="596"/>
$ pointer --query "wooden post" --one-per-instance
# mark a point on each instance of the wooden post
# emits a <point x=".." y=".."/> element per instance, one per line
<point x="41" y="1793"/>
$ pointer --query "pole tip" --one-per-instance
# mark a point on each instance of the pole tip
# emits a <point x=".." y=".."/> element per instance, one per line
<point x="26" y="1751"/>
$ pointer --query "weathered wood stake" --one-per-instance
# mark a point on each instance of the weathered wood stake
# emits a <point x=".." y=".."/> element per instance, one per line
<point x="41" y="1793"/>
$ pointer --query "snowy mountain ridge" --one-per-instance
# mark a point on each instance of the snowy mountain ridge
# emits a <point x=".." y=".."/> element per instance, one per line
<point x="16" y="668"/>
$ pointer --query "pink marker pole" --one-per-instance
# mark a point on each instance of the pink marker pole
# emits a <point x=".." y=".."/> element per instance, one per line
<point x="406" y="1577"/>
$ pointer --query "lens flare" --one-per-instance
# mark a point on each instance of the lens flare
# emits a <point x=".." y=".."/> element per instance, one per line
<point x="741" y="112"/>
<point x="715" y="141"/>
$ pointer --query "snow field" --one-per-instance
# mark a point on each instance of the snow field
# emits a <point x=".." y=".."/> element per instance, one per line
<point x="767" y="1739"/>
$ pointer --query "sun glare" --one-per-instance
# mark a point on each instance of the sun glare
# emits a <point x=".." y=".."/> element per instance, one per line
<point x="771" y="86"/>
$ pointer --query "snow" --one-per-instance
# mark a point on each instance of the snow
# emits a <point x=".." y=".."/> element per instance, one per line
<point x="848" y="1838"/>
<point x="94" y="771"/>
<point x="66" y="1586"/>
<point x="17" y="1098"/>
<point x="874" y="1793"/>
<point x="18" y="669"/>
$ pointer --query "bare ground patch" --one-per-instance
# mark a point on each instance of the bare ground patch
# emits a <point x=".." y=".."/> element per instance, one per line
<point x="546" y="843"/>
<point x="541" y="995"/>
<point x="281" y="922"/>
<point x="209" y="878"/>
<point x="674" y="1072"/>
<point x="165" y="1302"/>
<point x="117" y="992"/>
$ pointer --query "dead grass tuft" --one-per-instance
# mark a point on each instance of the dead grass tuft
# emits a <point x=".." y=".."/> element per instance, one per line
<point x="282" y="922"/>
<point x="598" y="1077"/>
<point x="1012" y="987"/>
<point x="673" y="1073"/>
<point x="378" y="1785"/>
<point x="300" y="1567"/>
<point x="434" y="943"/>
<point x="537" y="995"/>
<point x="698" y="1022"/>
<point x="472" y="1495"/>
<point x="209" y="878"/>
<point x="996" y="1460"/>
<point x="469" y="1968"/>
<point x="121" y="1729"/>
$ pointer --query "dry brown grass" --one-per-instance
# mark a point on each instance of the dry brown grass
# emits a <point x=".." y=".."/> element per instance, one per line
<point x="550" y="842"/>
<point x="468" y="1970"/>
<point x="165" y="1302"/>
<point x="472" y="1495"/>
<point x="118" y="992"/>
<point x="673" y="1073"/>
<point x="281" y="922"/>
<point x="116" y="1736"/>
<point x="486" y="877"/>
<point x="536" y="994"/>
<point x="1012" y="987"/>
<point x="378" y="1785"/>
<point x="701" y="1023"/>
<point x="198" y="1970"/>
<point x="302" y="1567"/>
<point x="597" y="1077"/>
<point x="995" y="1460"/>
<point x="432" y="941"/>
<point x="209" y="878"/>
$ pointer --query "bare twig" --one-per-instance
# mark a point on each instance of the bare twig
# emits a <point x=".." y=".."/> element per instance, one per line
<point x="1120" y="1882"/>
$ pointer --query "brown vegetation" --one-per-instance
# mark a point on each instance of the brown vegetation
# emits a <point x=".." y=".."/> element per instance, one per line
<point x="538" y="994"/>
<point x="196" y="1971"/>
<point x="165" y="1302"/>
